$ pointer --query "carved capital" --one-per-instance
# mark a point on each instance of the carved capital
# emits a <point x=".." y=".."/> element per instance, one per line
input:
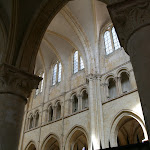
<point x="91" y="77"/>
<point x="94" y="76"/>
<point x="16" y="81"/>
<point x="128" y="17"/>
<point x="98" y="76"/>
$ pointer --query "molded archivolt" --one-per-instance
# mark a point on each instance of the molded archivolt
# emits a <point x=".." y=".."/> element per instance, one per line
<point x="114" y="126"/>
<point x="75" y="134"/>
<point x="31" y="146"/>
<point x="50" y="142"/>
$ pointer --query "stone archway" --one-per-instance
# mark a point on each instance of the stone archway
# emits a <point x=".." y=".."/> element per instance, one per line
<point x="129" y="131"/>
<point x="123" y="120"/>
<point x="77" y="140"/>
<point x="31" y="146"/>
<point x="51" y="143"/>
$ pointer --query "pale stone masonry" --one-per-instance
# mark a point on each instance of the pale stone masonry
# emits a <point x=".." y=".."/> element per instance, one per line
<point x="111" y="107"/>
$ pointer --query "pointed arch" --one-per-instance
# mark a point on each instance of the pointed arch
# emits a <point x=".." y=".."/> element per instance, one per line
<point x="51" y="141"/>
<point x="117" y="118"/>
<point x="77" y="133"/>
<point x="31" y="146"/>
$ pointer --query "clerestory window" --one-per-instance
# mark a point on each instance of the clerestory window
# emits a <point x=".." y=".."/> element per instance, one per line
<point x="78" y="63"/>
<point x="40" y="87"/>
<point x="111" y="40"/>
<point x="57" y="70"/>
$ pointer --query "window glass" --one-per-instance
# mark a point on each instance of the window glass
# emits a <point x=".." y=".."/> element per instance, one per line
<point x="81" y="63"/>
<point x="42" y="82"/>
<point x="115" y="39"/>
<point x="78" y="63"/>
<point x="59" y="72"/>
<point x="75" y="62"/>
<point x="108" y="43"/>
<point x="54" y="74"/>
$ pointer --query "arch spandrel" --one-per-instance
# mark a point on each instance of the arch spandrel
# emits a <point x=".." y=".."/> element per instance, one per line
<point x="30" y="45"/>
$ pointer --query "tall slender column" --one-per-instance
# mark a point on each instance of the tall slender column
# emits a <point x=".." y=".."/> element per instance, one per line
<point x="93" y="112"/>
<point x="131" y="19"/>
<point x="15" y="88"/>
<point x="100" y="112"/>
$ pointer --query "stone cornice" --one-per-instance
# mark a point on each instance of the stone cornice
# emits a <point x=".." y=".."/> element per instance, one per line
<point x="128" y="17"/>
<point x="16" y="81"/>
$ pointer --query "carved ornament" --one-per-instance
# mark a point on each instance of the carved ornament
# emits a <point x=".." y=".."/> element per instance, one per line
<point x="16" y="81"/>
<point x="128" y="17"/>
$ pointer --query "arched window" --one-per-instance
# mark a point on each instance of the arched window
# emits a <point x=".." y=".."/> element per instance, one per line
<point x="115" y="39"/>
<point x="125" y="83"/>
<point x="31" y="122"/>
<point x="50" y="113"/>
<point x="78" y="63"/>
<point x="40" y="87"/>
<point x="111" y="40"/>
<point x="112" y="88"/>
<point x="36" y="119"/>
<point x="57" y="69"/>
<point x="108" y="43"/>
<point x="74" y="104"/>
<point x="58" y="110"/>
<point x="84" y="99"/>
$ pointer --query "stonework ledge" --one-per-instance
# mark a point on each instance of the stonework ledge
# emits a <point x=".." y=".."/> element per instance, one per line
<point x="128" y="17"/>
<point x="16" y="81"/>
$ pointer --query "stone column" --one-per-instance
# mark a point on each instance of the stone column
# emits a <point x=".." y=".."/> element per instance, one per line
<point x="15" y="88"/>
<point x="131" y="19"/>
<point x="100" y="112"/>
<point x="93" y="112"/>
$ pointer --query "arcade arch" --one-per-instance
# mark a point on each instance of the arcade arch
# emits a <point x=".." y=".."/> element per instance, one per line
<point x="77" y="139"/>
<point x="51" y="143"/>
<point x="121" y="128"/>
